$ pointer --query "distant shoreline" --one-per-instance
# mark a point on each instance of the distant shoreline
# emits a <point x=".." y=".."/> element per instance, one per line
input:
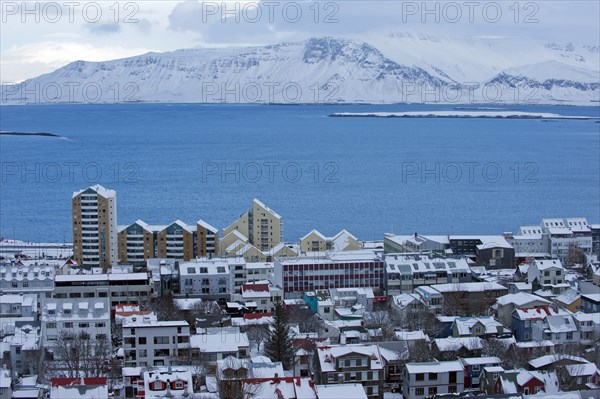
<point x="461" y="115"/>
<point x="40" y="134"/>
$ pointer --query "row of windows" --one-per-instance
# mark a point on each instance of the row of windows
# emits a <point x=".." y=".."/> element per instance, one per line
<point x="70" y="325"/>
<point x="434" y="390"/>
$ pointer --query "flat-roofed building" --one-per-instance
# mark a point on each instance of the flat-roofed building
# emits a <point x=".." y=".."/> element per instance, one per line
<point x="149" y="343"/>
<point x="120" y="288"/>
<point x="428" y="379"/>
<point x="349" y="269"/>
<point x="405" y="272"/>
<point x="206" y="278"/>
<point x="89" y="316"/>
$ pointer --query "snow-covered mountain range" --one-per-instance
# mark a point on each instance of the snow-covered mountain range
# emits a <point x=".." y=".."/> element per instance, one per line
<point x="397" y="67"/>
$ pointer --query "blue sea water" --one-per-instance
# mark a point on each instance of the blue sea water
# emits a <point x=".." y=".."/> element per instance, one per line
<point x="367" y="175"/>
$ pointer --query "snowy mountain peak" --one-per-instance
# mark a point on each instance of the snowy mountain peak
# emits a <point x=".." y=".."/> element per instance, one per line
<point x="397" y="67"/>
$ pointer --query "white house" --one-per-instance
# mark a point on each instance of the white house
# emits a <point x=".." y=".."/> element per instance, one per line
<point x="588" y="325"/>
<point x="549" y="274"/>
<point x="218" y="343"/>
<point x="433" y="378"/>
<point x="147" y="342"/>
<point x="207" y="278"/>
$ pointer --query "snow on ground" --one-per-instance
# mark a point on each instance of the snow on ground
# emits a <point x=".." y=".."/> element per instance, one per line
<point x="461" y="114"/>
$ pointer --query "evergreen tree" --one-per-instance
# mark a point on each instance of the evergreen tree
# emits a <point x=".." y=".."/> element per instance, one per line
<point x="279" y="346"/>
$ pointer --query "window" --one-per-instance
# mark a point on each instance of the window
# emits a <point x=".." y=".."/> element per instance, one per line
<point x="100" y="325"/>
<point x="526" y="390"/>
<point x="161" y="340"/>
<point x="50" y="325"/>
<point x="68" y="325"/>
<point x="420" y="377"/>
<point x="432" y="390"/>
<point x="161" y="352"/>
<point x="419" y="391"/>
<point x="452" y="377"/>
<point x="157" y="386"/>
<point x="432" y="376"/>
<point x="452" y="389"/>
<point x="84" y="325"/>
<point x="569" y="335"/>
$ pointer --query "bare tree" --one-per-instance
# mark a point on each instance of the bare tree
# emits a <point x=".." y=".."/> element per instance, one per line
<point x="231" y="376"/>
<point x="419" y="351"/>
<point x="258" y="333"/>
<point x="380" y="319"/>
<point x="576" y="256"/>
<point x="414" y="319"/>
<point x="165" y="308"/>
<point x="35" y="362"/>
<point x="78" y="355"/>
<point x="307" y="320"/>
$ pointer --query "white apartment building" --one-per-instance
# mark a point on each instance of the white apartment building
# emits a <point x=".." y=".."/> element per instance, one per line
<point x="26" y="279"/>
<point x="95" y="236"/>
<point x="566" y="232"/>
<point x="207" y="278"/>
<point x="258" y="271"/>
<point x="219" y="343"/>
<point x="90" y="316"/>
<point x="148" y="342"/>
<point x="120" y="288"/>
<point x="405" y="272"/>
<point x="531" y="242"/>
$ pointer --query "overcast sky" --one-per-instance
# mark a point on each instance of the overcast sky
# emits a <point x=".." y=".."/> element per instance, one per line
<point x="47" y="35"/>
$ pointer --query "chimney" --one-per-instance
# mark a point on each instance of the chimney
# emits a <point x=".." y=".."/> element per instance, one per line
<point x="342" y="338"/>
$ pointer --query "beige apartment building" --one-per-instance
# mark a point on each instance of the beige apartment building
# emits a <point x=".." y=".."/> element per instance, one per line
<point x="261" y="226"/>
<point x="139" y="242"/>
<point x="317" y="242"/>
<point x="94" y="217"/>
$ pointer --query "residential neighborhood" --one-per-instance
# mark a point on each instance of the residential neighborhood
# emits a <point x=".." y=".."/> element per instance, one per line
<point x="190" y="311"/>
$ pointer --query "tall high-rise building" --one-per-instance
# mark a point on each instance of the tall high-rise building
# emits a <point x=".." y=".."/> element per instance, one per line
<point x="95" y="240"/>
<point x="261" y="225"/>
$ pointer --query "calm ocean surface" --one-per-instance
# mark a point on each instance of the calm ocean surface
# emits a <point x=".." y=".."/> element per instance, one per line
<point x="368" y="175"/>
